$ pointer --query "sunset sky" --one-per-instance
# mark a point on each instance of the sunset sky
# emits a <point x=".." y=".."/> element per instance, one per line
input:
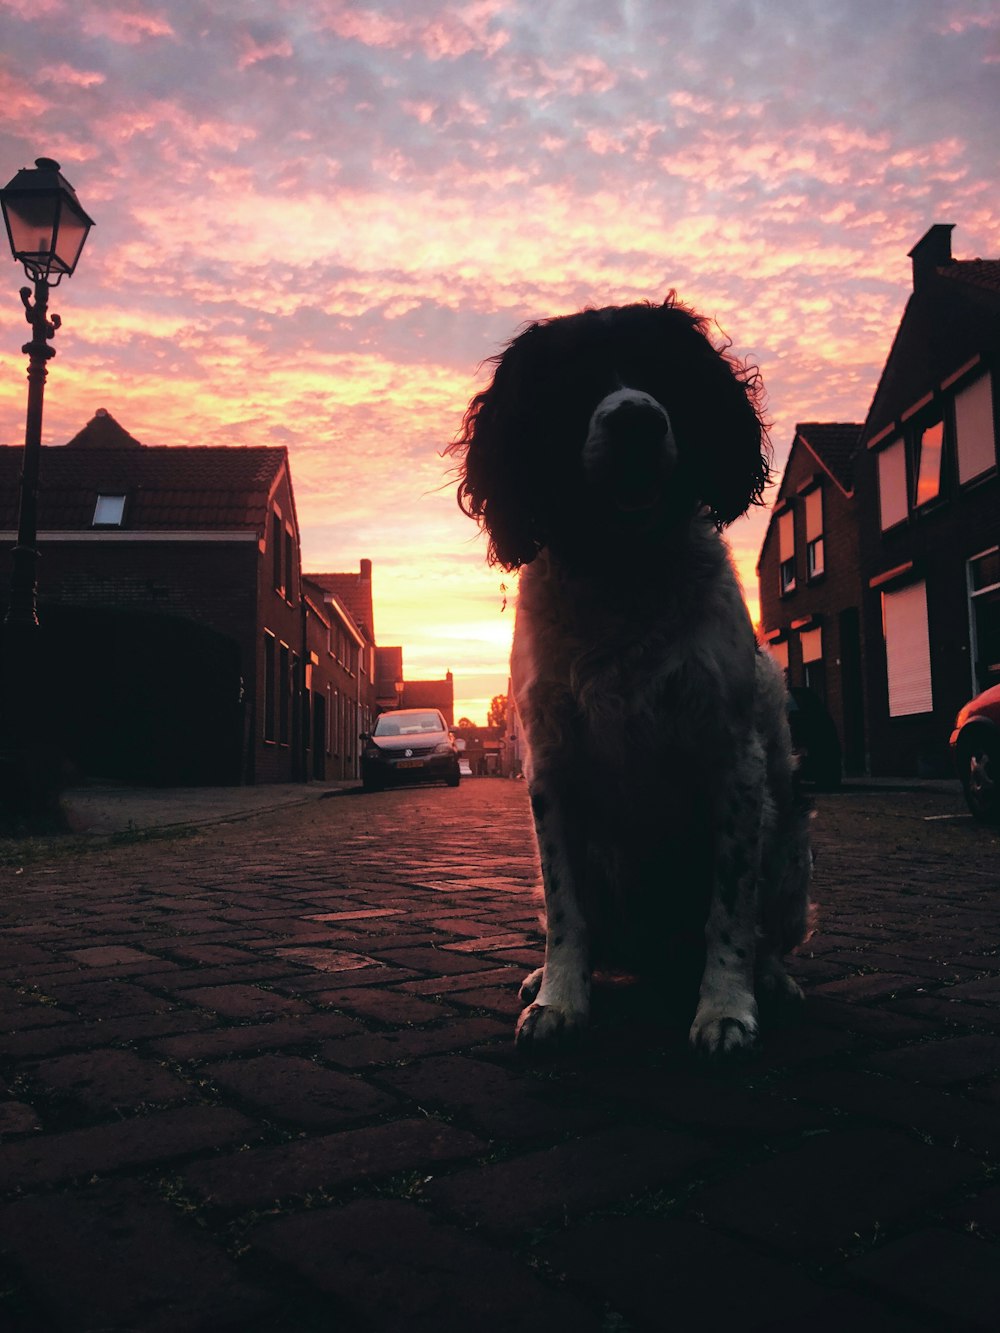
<point x="316" y="218"/>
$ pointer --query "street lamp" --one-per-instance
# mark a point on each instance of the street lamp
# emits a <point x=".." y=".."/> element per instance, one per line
<point x="47" y="229"/>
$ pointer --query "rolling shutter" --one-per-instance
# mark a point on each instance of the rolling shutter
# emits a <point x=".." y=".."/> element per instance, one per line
<point x="974" y="430"/>
<point x="907" y="650"/>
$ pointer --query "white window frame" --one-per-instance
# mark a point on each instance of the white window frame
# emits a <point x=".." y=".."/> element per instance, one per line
<point x="109" y="511"/>
<point x="974" y="593"/>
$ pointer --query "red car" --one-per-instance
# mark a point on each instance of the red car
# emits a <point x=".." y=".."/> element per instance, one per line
<point x="975" y="745"/>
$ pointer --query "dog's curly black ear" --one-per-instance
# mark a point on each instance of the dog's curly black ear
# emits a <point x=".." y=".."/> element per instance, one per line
<point x="493" y="449"/>
<point x="719" y="421"/>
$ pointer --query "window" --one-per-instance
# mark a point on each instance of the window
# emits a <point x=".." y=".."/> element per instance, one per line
<point x="928" y="446"/>
<point x="779" y="651"/>
<point x="984" y="618"/>
<point x="109" y="511"/>
<point x="975" y="437"/>
<point x="276" y="549"/>
<point x="814" y="673"/>
<point x="892" y="484"/>
<point x="284" y="692"/>
<point x="289" y="566"/>
<point x="907" y="650"/>
<point x="815" y="556"/>
<point x="269" y="681"/>
<point x="786" y="550"/>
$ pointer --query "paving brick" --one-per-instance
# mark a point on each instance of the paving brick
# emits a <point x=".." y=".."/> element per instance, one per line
<point x="300" y="1030"/>
<point x="499" y="1103"/>
<point x="870" y="986"/>
<point x="943" y="1275"/>
<point x="140" y="1141"/>
<point x="663" y="1272"/>
<point x="109" y="1080"/>
<point x="954" y="1060"/>
<point x="17" y="1118"/>
<point x="395" y="1267"/>
<point x="329" y="1162"/>
<point x="386" y="1006"/>
<point x="288" y="1087"/>
<point x="246" y="1002"/>
<point x="949" y="1119"/>
<point x="568" y="1180"/>
<point x="438" y="962"/>
<point x="125" y="1260"/>
<point x="391" y="1047"/>
<point x="867" y="1180"/>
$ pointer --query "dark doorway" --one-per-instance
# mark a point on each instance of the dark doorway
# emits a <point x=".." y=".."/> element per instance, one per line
<point x="319" y="736"/>
<point x="142" y="698"/>
<point x="852" y="691"/>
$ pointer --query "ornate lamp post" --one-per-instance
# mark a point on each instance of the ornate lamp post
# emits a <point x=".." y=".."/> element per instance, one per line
<point x="47" y="229"/>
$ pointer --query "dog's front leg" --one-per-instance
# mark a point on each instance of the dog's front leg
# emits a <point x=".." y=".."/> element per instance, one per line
<point x="726" y="1019"/>
<point x="559" y="996"/>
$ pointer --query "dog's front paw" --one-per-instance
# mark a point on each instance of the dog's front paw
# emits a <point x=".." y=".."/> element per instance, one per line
<point x="544" y="1028"/>
<point x="531" y="985"/>
<point x="775" y="986"/>
<point x="724" y="1035"/>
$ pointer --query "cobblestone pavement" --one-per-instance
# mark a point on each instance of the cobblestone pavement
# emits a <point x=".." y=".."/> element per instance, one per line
<point x="260" y="1078"/>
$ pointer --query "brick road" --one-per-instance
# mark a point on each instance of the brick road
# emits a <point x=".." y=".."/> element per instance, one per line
<point x="261" y="1079"/>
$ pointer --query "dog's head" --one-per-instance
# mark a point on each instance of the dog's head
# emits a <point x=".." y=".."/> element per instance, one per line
<point x="607" y="425"/>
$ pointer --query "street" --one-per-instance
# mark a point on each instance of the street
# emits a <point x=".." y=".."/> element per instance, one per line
<point x="259" y="1076"/>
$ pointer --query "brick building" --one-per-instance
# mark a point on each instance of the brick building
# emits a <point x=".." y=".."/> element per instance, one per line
<point x="929" y="511"/>
<point x="179" y="646"/>
<point x="898" y="642"/>
<point x="340" y="669"/>
<point x="810" y="581"/>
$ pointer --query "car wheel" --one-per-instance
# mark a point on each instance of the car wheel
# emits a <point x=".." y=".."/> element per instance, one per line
<point x="979" y="774"/>
<point x="454" y="779"/>
<point x="372" y="784"/>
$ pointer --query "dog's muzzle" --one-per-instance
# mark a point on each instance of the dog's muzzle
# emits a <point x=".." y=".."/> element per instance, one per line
<point x="630" y="450"/>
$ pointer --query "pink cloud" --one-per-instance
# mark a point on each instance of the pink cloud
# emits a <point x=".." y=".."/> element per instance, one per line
<point x="127" y="27"/>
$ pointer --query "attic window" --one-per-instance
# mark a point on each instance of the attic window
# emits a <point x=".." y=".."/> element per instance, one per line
<point x="109" y="511"/>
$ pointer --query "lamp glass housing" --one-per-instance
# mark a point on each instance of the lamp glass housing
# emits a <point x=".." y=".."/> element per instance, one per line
<point x="46" y="226"/>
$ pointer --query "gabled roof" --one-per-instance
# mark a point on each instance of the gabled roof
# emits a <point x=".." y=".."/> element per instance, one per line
<point x="952" y="317"/>
<point x="354" y="592"/>
<point x="207" y="488"/>
<point x="834" y="444"/>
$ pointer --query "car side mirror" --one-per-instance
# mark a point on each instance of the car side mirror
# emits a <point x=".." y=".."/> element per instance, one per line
<point x="364" y="736"/>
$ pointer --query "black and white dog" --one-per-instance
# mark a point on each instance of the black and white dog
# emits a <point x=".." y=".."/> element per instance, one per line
<point x="603" y="459"/>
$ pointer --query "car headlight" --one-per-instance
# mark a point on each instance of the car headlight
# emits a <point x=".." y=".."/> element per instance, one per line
<point x="372" y="752"/>
<point x="443" y="748"/>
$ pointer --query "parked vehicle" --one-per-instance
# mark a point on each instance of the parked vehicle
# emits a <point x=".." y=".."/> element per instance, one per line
<point x="409" y="745"/>
<point x="814" y="738"/>
<point x="975" y="747"/>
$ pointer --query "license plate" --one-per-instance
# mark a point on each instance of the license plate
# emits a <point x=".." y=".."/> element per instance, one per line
<point x="409" y="763"/>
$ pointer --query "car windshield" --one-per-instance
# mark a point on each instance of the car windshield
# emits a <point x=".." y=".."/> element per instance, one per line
<point x="407" y="724"/>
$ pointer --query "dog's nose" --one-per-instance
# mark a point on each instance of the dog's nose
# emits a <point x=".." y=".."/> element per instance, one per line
<point x="630" y="448"/>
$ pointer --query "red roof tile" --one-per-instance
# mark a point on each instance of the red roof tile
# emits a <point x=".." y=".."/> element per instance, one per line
<point x="209" y="488"/>
<point x="835" y="444"/>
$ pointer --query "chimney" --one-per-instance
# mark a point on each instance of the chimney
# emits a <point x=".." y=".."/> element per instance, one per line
<point x="366" y="570"/>
<point x="931" y="252"/>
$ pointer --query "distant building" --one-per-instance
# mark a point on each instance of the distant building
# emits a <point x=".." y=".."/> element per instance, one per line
<point x="810" y="579"/>
<point x="392" y="690"/>
<point x="880" y="569"/>
<point x="342" y="657"/>
<point x="438" y="694"/>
